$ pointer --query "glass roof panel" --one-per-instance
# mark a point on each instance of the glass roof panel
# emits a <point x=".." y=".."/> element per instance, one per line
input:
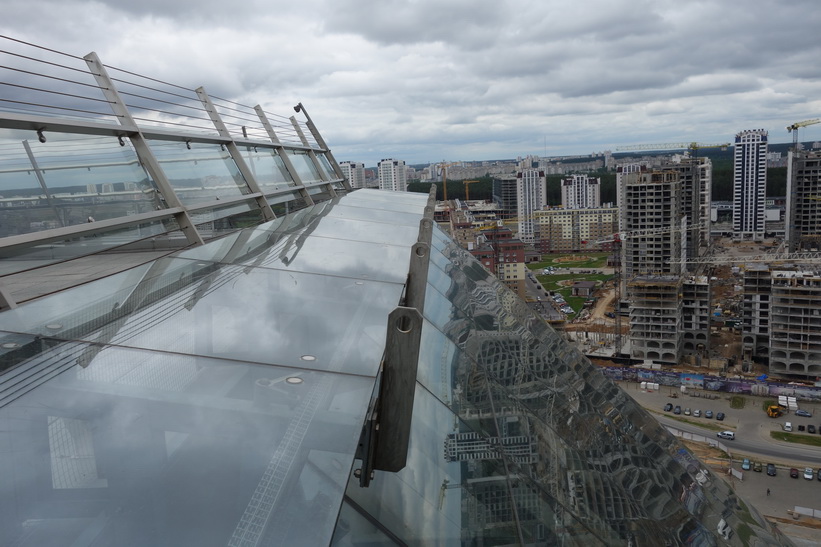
<point x="255" y="314"/>
<point x="153" y="448"/>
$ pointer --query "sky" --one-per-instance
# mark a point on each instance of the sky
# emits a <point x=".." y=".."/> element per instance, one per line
<point x="459" y="80"/>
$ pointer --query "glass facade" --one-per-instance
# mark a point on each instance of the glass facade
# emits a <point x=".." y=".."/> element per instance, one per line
<point x="218" y="396"/>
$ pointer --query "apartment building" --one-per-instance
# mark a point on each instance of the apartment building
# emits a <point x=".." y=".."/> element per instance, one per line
<point x="749" y="184"/>
<point x="581" y="192"/>
<point x="392" y="175"/>
<point x="803" y="211"/>
<point x="354" y="172"/>
<point x="570" y="230"/>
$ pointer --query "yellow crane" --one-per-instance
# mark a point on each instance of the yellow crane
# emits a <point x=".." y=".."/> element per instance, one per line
<point x="794" y="129"/>
<point x="467" y="187"/>
<point x="445" y="179"/>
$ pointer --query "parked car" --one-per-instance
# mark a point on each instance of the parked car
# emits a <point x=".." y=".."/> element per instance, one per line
<point x="668" y="407"/>
<point x="677" y="410"/>
<point x="687" y="411"/>
<point x="697" y="413"/>
<point x="708" y="414"/>
<point x="771" y="469"/>
<point x="793" y="472"/>
<point x="720" y="416"/>
<point x="809" y="474"/>
<point x="745" y="465"/>
<point x="819" y="473"/>
<point x="801" y="428"/>
<point x="757" y="467"/>
<point x="802" y="412"/>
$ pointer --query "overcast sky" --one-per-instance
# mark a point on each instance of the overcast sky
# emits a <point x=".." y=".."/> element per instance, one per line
<point x="432" y="80"/>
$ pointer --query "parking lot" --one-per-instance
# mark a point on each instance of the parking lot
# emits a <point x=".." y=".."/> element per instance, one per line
<point x="750" y="422"/>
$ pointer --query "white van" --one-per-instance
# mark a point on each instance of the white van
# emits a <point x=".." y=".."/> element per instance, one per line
<point x="788" y="426"/>
<point x="730" y="435"/>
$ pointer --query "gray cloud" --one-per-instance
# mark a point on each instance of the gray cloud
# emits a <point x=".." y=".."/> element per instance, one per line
<point x="426" y="80"/>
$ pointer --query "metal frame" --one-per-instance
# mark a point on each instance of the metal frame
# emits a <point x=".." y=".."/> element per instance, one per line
<point x="127" y="127"/>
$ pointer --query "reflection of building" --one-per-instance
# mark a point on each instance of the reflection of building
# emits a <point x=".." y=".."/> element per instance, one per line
<point x="749" y="184"/>
<point x="258" y="388"/>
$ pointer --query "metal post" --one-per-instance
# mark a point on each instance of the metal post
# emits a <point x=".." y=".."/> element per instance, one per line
<point x="285" y="159"/>
<point x="322" y="144"/>
<point x="312" y="155"/>
<point x="233" y="149"/>
<point x="144" y="152"/>
<point x="42" y="182"/>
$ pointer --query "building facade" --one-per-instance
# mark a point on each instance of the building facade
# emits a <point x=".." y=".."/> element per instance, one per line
<point x="695" y="179"/>
<point x="392" y="175"/>
<point x="354" y="172"/>
<point x="803" y="211"/>
<point x="572" y="230"/>
<point x="581" y="192"/>
<point x="749" y="184"/>
<point x="531" y="196"/>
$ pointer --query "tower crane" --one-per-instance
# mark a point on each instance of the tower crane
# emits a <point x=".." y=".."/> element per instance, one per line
<point x="693" y="147"/>
<point x="467" y="184"/>
<point x="445" y="179"/>
<point x="794" y="130"/>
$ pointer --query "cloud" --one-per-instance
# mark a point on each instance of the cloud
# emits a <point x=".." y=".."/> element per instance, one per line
<point x="424" y="80"/>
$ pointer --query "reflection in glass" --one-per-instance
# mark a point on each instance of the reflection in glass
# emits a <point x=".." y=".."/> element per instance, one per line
<point x="304" y="165"/>
<point x="157" y="235"/>
<point x="152" y="448"/>
<point x="199" y="171"/>
<point x="68" y="180"/>
<point x="268" y="169"/>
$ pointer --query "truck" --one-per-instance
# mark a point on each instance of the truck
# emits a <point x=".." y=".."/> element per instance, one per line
<point x="773" y="411"/>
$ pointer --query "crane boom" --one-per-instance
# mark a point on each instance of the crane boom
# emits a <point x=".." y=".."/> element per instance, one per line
<point x="794" y="129"/>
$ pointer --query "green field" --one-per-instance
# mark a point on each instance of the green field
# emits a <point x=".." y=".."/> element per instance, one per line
<point x="551" y="283"/>
<point x="585" y="260"/>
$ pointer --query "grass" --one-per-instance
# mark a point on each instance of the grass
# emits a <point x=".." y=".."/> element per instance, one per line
<point x="737" y="401"/>
<point x="795" y="438"/>
<point x="767" y="404"/>
<point x="590" y="260"/>
<point x="706" y="424"/>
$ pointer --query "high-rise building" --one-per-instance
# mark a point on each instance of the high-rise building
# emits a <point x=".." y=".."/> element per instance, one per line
<point x="749" y="184"/>
<point x="803" y="217"/>
<point x="505" y="196"/>
<point x="531" y="196"/>
<point x="581" y="192"/>
<point x="695" y="179"/>
<point x="392" y="175"/>
<point x="354" y="172"/>
<point x="253" y="364"/>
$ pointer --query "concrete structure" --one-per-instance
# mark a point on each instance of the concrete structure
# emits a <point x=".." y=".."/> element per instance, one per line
<point x="696" y="311"/>
<point x="581" y="192"/>
<point x="570" y="230"/>
<point x="354" y="172"/>
<point x="695" y="179"/>
<point x="505" y="195"/>
<point x="651" y="208"/>
<point x="656" y="318"/>
<point x="531" y="196"/>
<point x="755" y="311"/>
<point x="392" y="175"/>
<point x="749" y="184"/>
<point x="803" y="215"/>
<point x="795" y="323"/>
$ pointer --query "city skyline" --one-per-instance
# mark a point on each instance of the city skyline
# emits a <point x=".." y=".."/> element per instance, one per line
<point x="424" y="82"/>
